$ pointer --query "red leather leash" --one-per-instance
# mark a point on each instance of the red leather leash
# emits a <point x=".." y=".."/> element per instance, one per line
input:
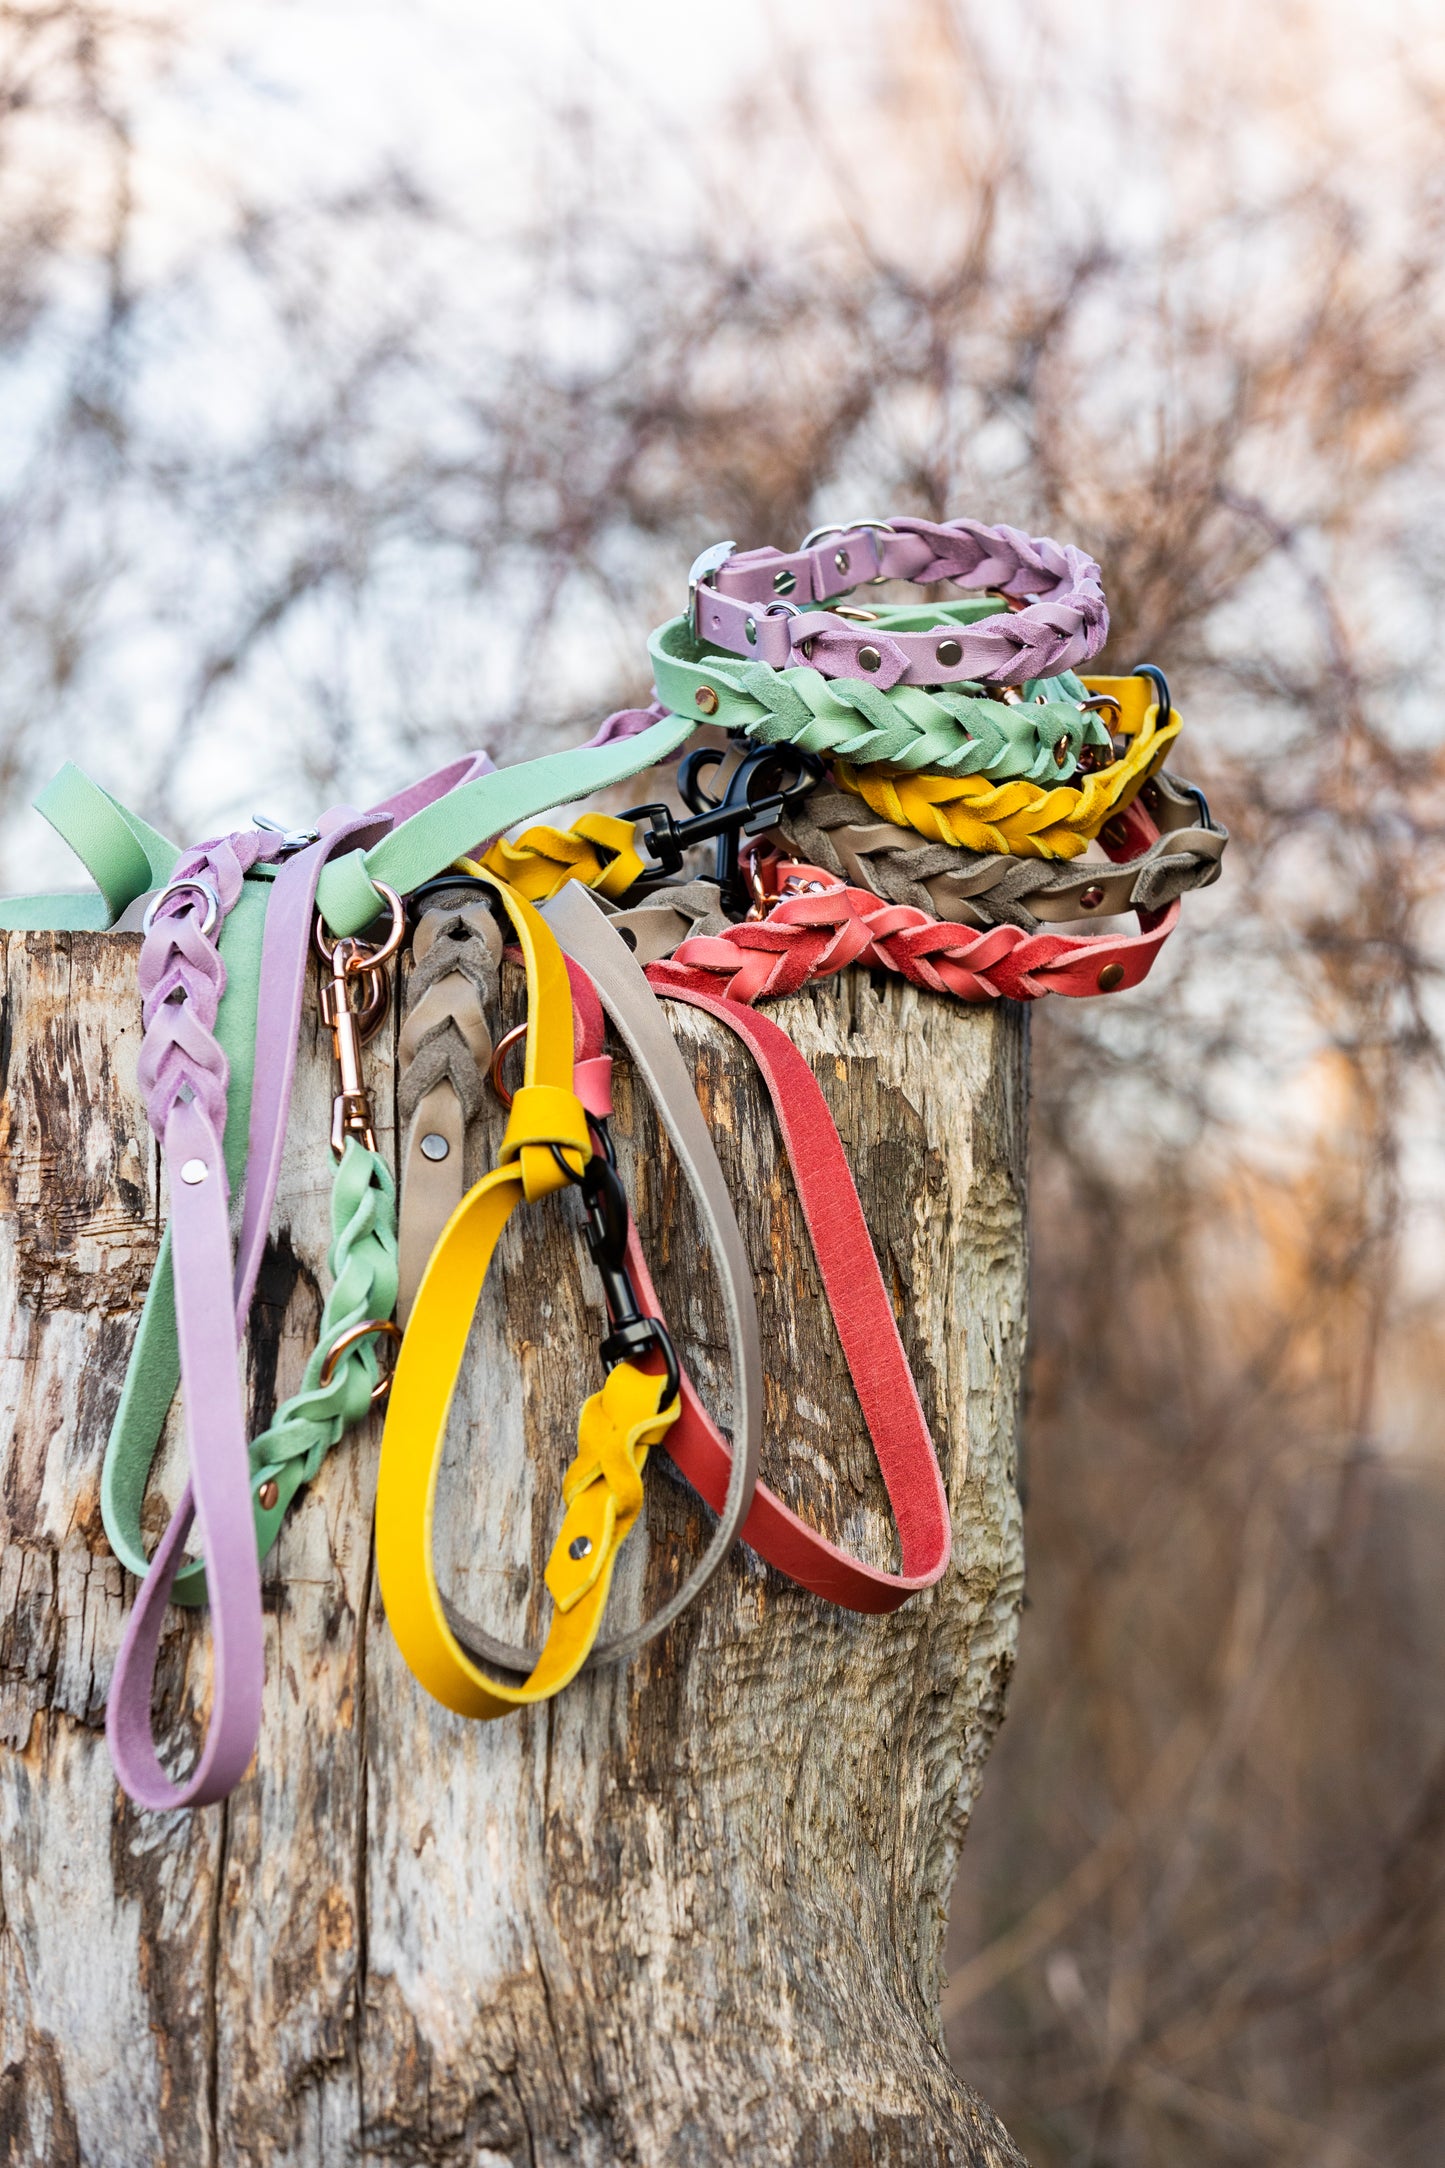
<point x="866" y="1327"/>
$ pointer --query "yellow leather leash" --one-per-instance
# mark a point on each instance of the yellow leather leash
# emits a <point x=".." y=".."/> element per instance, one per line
<point x="546" y="1147"/>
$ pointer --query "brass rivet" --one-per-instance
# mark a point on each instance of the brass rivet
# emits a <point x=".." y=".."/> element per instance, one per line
<point x="840" y="559"/>
<point x="706" y="699"/>
<point x="194" y="1170"/>
<point x="750" y="627"/>
<point x="1111" y="976"/>
<point x="434" y="1145"/>
<point x="579" y="1547"/>
<point x="869" y="659"/>
<point x="1091" y="898"/>
<point x="949" y="652"/>
<point x="1061" y="751"/>
<point x="1113" y="832"/>
<point x="783" y="582"/>
<point x="267" y="1495"/>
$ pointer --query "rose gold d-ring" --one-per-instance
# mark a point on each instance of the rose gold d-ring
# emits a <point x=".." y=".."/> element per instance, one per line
<point x="500" y="1052"/>
<point x="349" y="1339"/>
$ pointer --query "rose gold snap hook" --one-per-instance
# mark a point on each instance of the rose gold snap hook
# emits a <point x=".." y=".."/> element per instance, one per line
<point x="500" y="1052"/>
<point x="349" y="1339"/>
<point x="356" y="955"/>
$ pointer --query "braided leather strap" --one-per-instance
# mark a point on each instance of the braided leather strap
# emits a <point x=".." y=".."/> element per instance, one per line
<point x="184" y="1075"/>
<point x="749" y="602"/>
<point x="973" y="814"/>
<point x="362" y="1264"/>
<point x="1039" y="734"/>
<point x="444" y="1051"/>
<point x="599" y="850"/>
<point x="816" y="935"/>
<point x="971" y="888"/>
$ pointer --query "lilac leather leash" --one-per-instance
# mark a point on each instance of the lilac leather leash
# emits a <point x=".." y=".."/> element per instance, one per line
<point x="751" y="602"/>
<point x="184" y="1080"/>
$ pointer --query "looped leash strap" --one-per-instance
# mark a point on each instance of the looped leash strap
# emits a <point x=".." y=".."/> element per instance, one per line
<point x="546" y="1144"/>
<point x="184" y="1078"/>
<point x="256" y="1029"/>
<point x="867" y="1328"/>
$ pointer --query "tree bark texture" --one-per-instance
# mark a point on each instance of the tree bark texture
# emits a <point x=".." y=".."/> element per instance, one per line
<point x="693" y="1910"/>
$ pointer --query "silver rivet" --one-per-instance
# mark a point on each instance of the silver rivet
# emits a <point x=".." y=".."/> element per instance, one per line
<point x="784" y="582"/>
<point x="194" y="1170"/>
<point x="949" y="652"/>
<point x="579" y="1546"/>
<point x="840" y="559"/>
<point x="869" y="659"/>
<point x="1092" y="897"/>
<point x="434" y="1145"/>
<point x="750" y="627"/>
<point x="706" y="699"/>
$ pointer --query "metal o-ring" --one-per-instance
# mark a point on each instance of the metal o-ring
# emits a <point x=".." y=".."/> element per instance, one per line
<point x="350" y="1339"/>
<point x="500" y="1052"/>
<point x="179" y="888"/>
<point x="361" y="958"/>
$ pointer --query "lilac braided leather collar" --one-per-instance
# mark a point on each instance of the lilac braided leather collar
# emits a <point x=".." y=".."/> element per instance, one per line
<point x="752" y="603"/>
<point x="183" y="1078"/>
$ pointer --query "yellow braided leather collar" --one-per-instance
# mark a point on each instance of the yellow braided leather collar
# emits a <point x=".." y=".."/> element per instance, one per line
<point x="602" y="1489"/>
<point x="597" y="850"/>
<point x="1023" y="819"/>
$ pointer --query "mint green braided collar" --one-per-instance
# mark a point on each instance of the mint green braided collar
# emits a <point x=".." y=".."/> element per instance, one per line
<point x="942" y="732"/>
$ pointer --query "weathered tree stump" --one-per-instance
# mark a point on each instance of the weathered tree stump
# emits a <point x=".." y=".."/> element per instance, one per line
<point x="690" y="1912"/>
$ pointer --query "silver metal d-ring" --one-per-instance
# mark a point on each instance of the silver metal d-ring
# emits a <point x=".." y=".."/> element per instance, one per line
<point x="179" y="888"/>
<point x="881" y="526"/>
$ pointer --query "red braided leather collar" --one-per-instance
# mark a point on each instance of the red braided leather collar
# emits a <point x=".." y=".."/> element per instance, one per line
<point x="819" y="926"/>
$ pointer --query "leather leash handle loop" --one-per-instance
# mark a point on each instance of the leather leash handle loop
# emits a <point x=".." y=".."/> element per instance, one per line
<point x="872" y="1348"/>
<point x="602" y="1489"/>
<point x="871" y="1344"/>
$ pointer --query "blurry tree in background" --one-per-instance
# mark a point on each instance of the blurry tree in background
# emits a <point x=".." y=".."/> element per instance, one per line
<point x="352" y="477"/>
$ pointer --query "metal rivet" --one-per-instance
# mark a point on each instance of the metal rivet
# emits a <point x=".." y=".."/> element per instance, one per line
<point x="869" y="659"/>
<point x="579" y="1547"/>
<point x="1150" y="795"/>
<point x="706" y="699"/>
<point x="1091" y="898"/>
<point x="840" y="559"/>
<point x="750" y="627"/>
<point x="784" y="582"/>
<point x="1111" y="976"/>
<point x="434" y="1145"/>
<point x="194" y="1170"/>
<point x="1061" y="751"/>
<point x="267" y="1495"/>
<point x="949" y="652"/>
<point x="1114" y="832"/>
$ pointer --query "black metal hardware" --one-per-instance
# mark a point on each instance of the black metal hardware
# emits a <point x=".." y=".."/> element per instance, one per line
<point x="767" y="780"/>
<point x="605" y="1223"/>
